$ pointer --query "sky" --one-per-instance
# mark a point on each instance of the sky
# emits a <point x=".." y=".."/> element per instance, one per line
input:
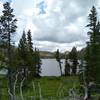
<point x="55" y="24"/>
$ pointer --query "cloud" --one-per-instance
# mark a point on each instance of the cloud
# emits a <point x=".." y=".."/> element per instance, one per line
<point x="60" y="25"/>
<point x="53" y="46"/>
<point x="64" y="22"/>
<point x="1" y="7"/>
<point x="54" y="23"/>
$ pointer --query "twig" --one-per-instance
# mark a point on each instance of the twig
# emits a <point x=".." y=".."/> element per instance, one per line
<point x="34" y="90"/>
<point x="40" y="91"/>
<point x="15" y="85"/>
<point x="21" y="85"/>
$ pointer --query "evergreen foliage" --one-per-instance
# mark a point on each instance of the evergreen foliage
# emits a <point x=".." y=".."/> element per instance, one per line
<point x="7" y="28"/>
<point x="38" y="63"/>
<point x="23" y="50"/>
<point x="29" y="41"/>
<point x="57" y="55"/>
<point x="73" y="58"/>
<point x="29" y="58"/>
<point x="93" y="48"/>
<point x="67" y="67"/>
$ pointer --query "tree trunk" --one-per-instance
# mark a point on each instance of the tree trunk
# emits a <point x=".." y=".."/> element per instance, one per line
<point x="60" y="68"/>
<point x="10" y="85"/>
<point x="87" y="93"/>
<point x="10" y="77"/>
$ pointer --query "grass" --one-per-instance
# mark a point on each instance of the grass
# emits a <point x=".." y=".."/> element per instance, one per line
<point x="3" y="88"/>
<point x="49" y="87"/>
<point x="52" y="88"/>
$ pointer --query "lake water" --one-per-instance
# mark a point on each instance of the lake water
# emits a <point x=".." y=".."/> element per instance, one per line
<point x="50" y="67"/>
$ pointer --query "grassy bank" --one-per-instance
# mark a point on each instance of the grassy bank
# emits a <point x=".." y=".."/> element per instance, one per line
<point x="48" y="88"/>
<point x="52" y="87"/>
<point x="45" y="87"/>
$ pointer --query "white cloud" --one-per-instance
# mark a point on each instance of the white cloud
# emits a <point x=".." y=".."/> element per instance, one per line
<point x="1" y="7"/>
<point x="62" y="26"/>
<point x="52" y="46"/>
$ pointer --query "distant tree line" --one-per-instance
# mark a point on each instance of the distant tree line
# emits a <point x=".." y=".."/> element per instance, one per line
<point x="71" y="62"/>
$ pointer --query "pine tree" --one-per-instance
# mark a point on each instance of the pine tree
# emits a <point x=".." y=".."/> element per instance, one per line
<point x="23" y="54"/>
<point x="67" y="67"/>
<point x="29" y="40"/>
<point x="31" y="56"/>
<point x="92" y="55"/>
<point x="93" y="48"/>
<point x="3" y="54"/>
<point x="37" y="63"/>
<point x="57" y="55"/>
<point x="73" y="58"/>
<point x="23" y="49"/>
<point x="7" y="28"/>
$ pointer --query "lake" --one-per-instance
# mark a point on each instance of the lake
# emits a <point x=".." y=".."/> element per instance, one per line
<point x="50" y="67"/>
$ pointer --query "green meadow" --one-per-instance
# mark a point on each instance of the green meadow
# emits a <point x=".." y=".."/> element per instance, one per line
<point x="45" y="87"/>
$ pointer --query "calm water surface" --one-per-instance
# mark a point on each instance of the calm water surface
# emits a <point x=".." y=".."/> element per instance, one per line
<point x="50" y="67"/>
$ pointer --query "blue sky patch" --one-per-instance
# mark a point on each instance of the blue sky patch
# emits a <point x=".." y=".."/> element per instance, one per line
<point x="42" y="6"/>
<point x="6" y="1"/>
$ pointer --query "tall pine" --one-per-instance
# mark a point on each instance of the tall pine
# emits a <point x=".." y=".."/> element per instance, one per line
<point x="93" y="48"/>
<point x="31" y="56"/>
<point x="7" y="28"/>
<point x="23" y="50"/>
<point x="29" y="41"/>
